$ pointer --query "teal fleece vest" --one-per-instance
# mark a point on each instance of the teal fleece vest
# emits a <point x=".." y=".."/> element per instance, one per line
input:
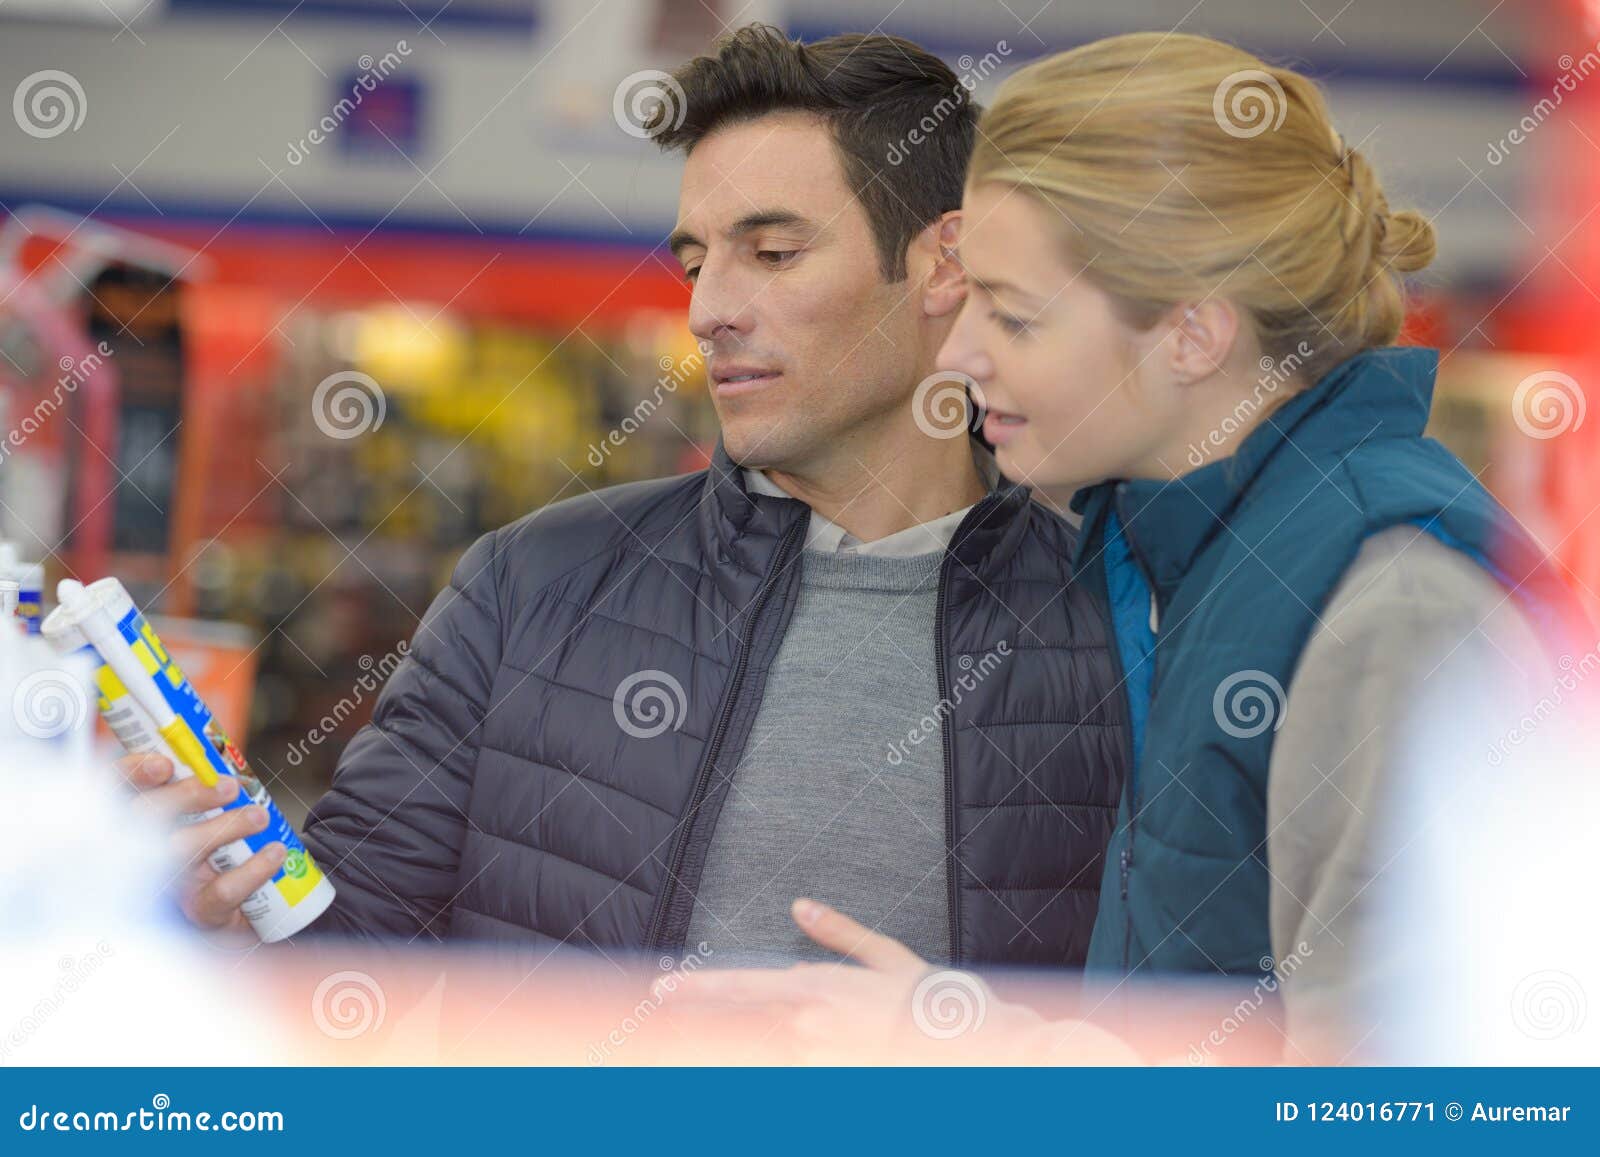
<point x="1242" y="555"/>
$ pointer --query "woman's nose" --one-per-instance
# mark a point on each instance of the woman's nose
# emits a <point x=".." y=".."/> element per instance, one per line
<point x="962" y="351"/>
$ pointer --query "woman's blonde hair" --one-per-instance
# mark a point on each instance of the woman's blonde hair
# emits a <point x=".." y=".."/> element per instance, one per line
<point x="1185" y="168"/>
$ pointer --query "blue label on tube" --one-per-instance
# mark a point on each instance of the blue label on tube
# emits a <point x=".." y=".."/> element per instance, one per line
<point x="225" y="758"/>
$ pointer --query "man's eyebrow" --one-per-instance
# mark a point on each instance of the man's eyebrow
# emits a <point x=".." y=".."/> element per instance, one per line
<point x="766" y="219"/>
<point x="682" y="239"/>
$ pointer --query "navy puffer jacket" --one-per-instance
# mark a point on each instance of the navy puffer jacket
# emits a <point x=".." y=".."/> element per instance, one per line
<point x="504" y="793"/>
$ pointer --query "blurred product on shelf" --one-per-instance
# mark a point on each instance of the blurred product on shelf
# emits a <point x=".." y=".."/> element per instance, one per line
<point x="29" y="580"/>
<point x="91" y="373"/>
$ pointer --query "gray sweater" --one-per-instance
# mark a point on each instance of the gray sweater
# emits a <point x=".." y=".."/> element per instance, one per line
<point x="816" y="807"/>
<point x="1410" y="614"/>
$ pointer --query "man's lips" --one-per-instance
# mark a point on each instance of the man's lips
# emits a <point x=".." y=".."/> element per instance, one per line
<point x="729" y="381"/>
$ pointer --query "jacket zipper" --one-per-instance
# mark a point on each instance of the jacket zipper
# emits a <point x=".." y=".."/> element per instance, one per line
<point x="714" y="748"/>
<point x="951" y="879"/>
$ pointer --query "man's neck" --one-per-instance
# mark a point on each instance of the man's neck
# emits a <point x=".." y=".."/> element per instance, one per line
<point x="907" y="484"/>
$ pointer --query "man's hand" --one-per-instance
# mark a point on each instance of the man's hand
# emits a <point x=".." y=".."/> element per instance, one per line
<point x="210" y="900"/>
<point x="890" y="1006"/>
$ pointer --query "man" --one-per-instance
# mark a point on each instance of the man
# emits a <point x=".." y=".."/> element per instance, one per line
<point x="871" y="679"/>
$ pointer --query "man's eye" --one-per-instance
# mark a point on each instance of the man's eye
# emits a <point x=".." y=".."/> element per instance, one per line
<point x="689" y="275"/>
<point x="775" y="258"/>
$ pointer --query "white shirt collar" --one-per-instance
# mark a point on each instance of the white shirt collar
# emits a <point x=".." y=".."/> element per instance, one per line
<point x="925" y="538"/>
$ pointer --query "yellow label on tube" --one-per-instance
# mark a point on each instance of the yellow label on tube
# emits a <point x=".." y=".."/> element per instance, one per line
<point x="187" y="748"/>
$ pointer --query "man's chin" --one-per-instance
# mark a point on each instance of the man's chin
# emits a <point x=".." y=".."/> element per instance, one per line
<point x="756" y="446"/>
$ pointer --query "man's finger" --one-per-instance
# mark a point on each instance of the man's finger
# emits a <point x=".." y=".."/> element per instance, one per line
<point x="197" y="841"/>
<point x="833" y="929"/>
<point x="217" y="903"/>
<point x="146" y="770"/>
<point x="185" y="796"/>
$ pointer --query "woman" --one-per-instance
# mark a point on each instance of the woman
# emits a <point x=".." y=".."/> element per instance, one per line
<point x="1184" y="293"/>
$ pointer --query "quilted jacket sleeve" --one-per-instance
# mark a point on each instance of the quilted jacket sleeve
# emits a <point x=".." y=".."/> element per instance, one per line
<point x="389" y="831"/>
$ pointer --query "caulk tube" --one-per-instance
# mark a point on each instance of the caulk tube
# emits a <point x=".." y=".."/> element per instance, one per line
<point x="117" y="654"/>
<point x="151" y="706"/>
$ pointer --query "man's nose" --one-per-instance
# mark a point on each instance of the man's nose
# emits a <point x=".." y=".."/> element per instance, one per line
<point x="720" y="307"/>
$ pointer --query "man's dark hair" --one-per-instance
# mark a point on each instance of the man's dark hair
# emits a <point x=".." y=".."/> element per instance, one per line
<point x="902" y="121"/>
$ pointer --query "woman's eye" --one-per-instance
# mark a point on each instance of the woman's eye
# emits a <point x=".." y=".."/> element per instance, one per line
<point x="1008" y="323"/>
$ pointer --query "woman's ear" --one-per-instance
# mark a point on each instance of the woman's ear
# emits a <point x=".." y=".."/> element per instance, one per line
<point x="1203" y="337"/>
<point x="946" y="288"/>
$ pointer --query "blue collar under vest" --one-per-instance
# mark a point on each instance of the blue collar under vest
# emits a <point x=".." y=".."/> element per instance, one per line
<point x="1384" y="393"/>
<point x="1220" y="575"/>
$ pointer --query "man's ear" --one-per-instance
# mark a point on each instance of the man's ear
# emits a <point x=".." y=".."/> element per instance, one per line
<point x="946" y="288"/>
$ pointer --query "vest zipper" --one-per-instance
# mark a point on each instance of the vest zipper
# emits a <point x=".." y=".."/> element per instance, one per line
<point x="952" y="884"/>
<point x="1126" y="857"/>
<point x="714" y="747"/>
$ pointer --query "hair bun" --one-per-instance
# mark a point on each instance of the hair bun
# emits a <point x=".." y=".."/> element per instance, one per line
<point x="1406" y="241"/>
<point x="1402" y="242"/>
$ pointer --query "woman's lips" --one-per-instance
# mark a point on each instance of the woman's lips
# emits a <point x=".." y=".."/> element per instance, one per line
<point x="1000" y="427"/>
